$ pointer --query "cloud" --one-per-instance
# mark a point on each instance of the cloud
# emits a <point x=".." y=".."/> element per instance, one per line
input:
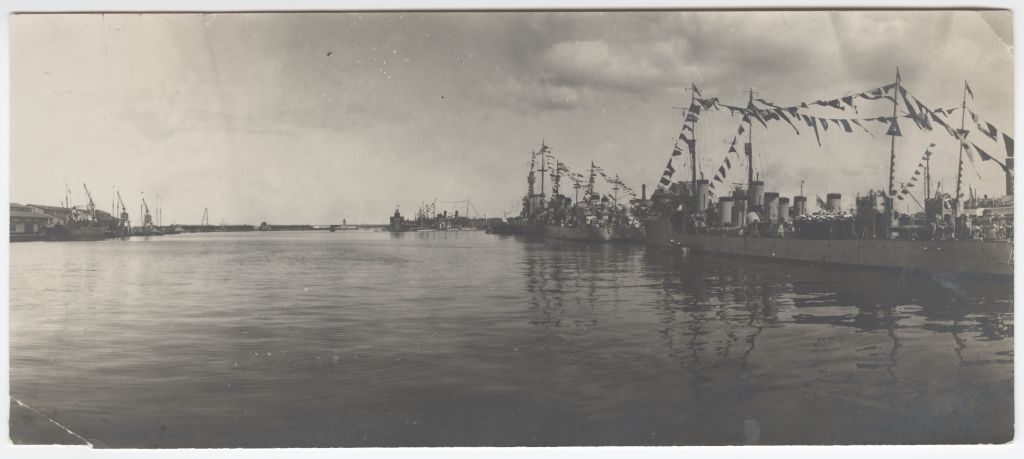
<point x="592" y="63"/>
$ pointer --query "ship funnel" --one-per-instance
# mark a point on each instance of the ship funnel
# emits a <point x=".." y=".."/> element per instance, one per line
<point x="702" y="195"/>
<point x="834" y="202"/>
<point x="725" y="211"/>
<point x="784" y="210"/>
<point x="799" y="205"/>
<point x="771" y="206"/>
<point x="739" y="206"/>
<point x="757" y="193"/>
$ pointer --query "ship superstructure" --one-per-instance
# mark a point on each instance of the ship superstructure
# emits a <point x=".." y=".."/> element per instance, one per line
<point x="587" y="215"/>
<point x="745" y="219"/>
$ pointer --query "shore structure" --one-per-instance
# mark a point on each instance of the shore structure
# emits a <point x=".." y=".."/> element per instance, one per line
<point x="67" y="222"/>
<point x="427" y="218"/>
<point x="949" y="235"/>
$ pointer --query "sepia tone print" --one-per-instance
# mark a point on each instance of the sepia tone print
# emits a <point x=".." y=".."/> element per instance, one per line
<point x="436" y="229"/>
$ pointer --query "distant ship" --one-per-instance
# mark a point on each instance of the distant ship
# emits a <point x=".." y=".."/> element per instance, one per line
<point x="79" y="224"/>
<point x="78" y="230"/>
<point x="398" y="224"/>
<point x="595" y="218"/>
<point x="748" y="221"/>
<point x="428" y="219"/>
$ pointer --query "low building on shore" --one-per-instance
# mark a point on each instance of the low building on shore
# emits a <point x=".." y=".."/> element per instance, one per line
<point x="29" y="223"/>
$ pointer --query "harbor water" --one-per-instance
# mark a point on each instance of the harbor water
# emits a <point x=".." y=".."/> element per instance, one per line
<point x="361" y="338"/>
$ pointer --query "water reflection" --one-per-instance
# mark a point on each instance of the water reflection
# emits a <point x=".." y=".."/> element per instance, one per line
<point x="467" y="339"/>
<point x="758" y="343"/>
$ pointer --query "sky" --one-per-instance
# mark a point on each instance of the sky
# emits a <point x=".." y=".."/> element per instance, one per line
<point x="318" y="117"/>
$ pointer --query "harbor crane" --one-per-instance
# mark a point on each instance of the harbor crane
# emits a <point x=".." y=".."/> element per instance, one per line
<point x="124" y="211"/>
<point x="147" y="219"/>
<point x="92" y="206"/>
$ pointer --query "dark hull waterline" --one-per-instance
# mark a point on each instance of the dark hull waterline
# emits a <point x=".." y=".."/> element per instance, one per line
<point x="993" y="258"/>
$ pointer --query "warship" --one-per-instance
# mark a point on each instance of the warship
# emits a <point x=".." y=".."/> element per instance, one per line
<point x="947" y="237"/>
<point x="596" y="217"/>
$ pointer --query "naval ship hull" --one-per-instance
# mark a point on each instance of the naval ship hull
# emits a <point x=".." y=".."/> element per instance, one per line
<point x="574" y="233"/>
<point x="988" y="258"/>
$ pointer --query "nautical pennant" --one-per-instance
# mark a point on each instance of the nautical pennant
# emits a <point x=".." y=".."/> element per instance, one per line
<point x="757" y="113"/>
<point x="811" y="122"/>
<point x="894" y="129"/>
<point x="991" y="132"/>
<point x="848" y="100"/>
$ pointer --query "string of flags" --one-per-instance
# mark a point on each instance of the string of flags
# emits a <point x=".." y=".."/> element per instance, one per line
<point x="923" y="117"/>
<point x="917" y="173"/>
<point x="818" y="123"/>
<point x="686" y="135"/>
<point x="839" y="103"/>
<point x="961" y="136"/>
<point x="723" y="169"/>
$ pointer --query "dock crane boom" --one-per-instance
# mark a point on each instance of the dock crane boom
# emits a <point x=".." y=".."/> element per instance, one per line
<point x="123" y="210"/>
<point x="147" y="219"/>
<point x="92" y="205"/>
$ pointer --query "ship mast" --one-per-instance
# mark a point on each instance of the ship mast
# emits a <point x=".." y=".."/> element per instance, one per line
<point x="556" y="178"/>
<point x="960" y="159"/>
<point x="576" y="185"/>
<point x="892" y="146"/>
<point x="927" y="177"/>
<point x="749" y="147"/>
<point x="543" y="170"/>
<point x="590" y="184"/>
<point x="693" y="147"/>
<point x="615" y="189"/>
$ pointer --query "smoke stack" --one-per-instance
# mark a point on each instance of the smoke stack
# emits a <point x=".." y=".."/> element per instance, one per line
<point x="783" y="210"/>
<point x="799" y="205"/>
<point x="834" y="202"/>
<point x="725" y="210"/>
<point x="771" y="206"/>
<point x="643" y="191"/>
<point x="702" y="195"/>
<point x="757" y="193"/>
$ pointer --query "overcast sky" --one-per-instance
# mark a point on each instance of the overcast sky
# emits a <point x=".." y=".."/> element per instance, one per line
<point x="311" y="118"/>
